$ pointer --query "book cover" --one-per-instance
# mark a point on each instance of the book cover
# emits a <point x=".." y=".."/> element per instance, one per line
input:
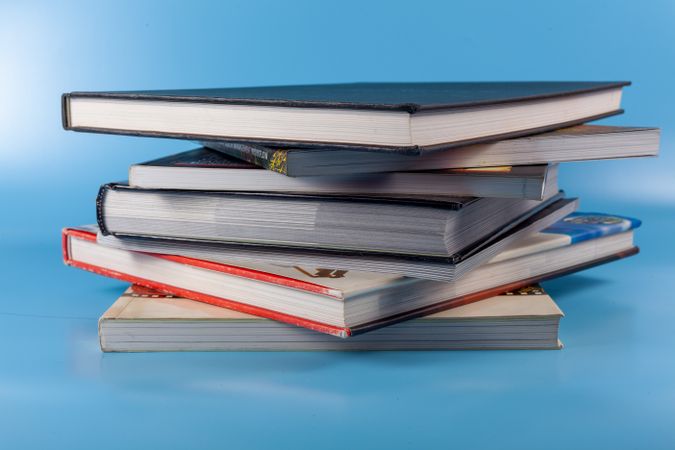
<point x="580" y="226"/>
<point x="575" y="228"/>
<point x="332" y="285"/>
<point x="202" y="158"/>
<point x="259" y="114"/>
<point x="408" y="97"/>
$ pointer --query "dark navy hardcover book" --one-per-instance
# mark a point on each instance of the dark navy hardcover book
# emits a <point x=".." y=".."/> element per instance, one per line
<point x="369" y="116"/>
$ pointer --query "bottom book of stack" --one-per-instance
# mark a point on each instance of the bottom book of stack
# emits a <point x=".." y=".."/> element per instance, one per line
<point x="146" y="320"/>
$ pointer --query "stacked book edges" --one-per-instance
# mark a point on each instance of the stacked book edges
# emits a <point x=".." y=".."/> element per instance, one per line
<point x="346" y="302"/>
<point x="408" y="118"/>
<point x="392" y="215"/>
<point x="146" y="320"/>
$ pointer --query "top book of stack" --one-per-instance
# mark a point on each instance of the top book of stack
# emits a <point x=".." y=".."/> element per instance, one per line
<point x="410" y="118"/>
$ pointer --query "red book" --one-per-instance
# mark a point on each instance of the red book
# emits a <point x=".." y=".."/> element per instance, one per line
<point x="339" y="302"/>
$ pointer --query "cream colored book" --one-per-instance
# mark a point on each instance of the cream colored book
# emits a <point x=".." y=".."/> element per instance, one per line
<point x="146" y="320"/>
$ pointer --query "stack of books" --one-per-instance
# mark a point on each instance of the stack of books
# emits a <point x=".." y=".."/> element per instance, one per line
<point x="367" y="216"/>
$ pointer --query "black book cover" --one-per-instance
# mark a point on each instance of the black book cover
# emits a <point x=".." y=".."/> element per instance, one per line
<point x="408" y="97"/>
<point x="411" y="97"/>
<point x="202" y="157"/>
<point x="270" y="158"/>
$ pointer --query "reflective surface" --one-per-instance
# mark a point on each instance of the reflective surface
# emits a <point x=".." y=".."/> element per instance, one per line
<point x="613" y="386"/>
<point x="611" y="383"/>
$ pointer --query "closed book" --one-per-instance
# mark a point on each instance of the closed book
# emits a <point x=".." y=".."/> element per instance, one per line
<point x="146" y="320"/>
<point x="579" y="143"/>
<point x="209" y="170"/>
<point x="399" y="117"/>
<point x="341" y="302"/>
<point x="383" y="226"/>
<point x="427" y="267"/>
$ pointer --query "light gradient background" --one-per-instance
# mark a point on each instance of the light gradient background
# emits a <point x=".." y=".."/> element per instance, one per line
<point x="613" y="384"/>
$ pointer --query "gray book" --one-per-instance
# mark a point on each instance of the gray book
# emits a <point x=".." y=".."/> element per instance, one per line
<point x="440" y="269"/>
<point x="328" y="223"/>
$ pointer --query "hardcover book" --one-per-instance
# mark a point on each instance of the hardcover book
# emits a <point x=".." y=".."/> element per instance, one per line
<point x="341" y="302"/>
<point x="146" y="320"/>
<point x="432" y="268"/>
<point x="383" y="226"/>
<point x="579" y="143"/>
<point x="209" y="170"/>
<point x="403" y="117"/>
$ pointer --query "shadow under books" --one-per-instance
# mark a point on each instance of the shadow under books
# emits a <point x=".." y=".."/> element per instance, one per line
<point x="561" y="288"/>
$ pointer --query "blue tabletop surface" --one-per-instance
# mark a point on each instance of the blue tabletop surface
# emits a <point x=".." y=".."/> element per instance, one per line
<point x="615" y="375"/>
<point x="612" y="386"/>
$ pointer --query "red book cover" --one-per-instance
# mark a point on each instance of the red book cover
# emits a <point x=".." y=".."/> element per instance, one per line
<point x="361" y="284"/>
<point x="222" y="302"/>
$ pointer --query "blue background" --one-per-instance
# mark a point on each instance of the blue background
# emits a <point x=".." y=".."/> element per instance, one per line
<point x="613" y="384"/>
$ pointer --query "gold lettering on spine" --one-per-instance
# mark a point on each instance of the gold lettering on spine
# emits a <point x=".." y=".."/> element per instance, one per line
<point x="278" y="161"/>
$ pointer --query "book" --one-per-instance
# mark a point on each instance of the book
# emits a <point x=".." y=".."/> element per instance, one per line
<point x="339" y="302"/>
<point x="146" y="320"/>
<point x="379" y="225"/>
<point x="431" y="268"/>
<point x="404" y="117"/>
<point x="210" y="170"/>
<point x="579" y="143"/>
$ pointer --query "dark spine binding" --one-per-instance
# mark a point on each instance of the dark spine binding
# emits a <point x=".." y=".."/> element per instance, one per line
<point x="100" y="203"/>
<point x="65" y="111"/>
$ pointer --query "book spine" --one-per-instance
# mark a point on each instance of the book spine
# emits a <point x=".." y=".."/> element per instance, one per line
<point x="100" y="204"/>
<point x="268" y="158"/>
<point x="65" y="111"/>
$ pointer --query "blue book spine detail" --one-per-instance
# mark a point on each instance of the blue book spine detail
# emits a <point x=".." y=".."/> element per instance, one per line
<point x="580" y="226"/>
